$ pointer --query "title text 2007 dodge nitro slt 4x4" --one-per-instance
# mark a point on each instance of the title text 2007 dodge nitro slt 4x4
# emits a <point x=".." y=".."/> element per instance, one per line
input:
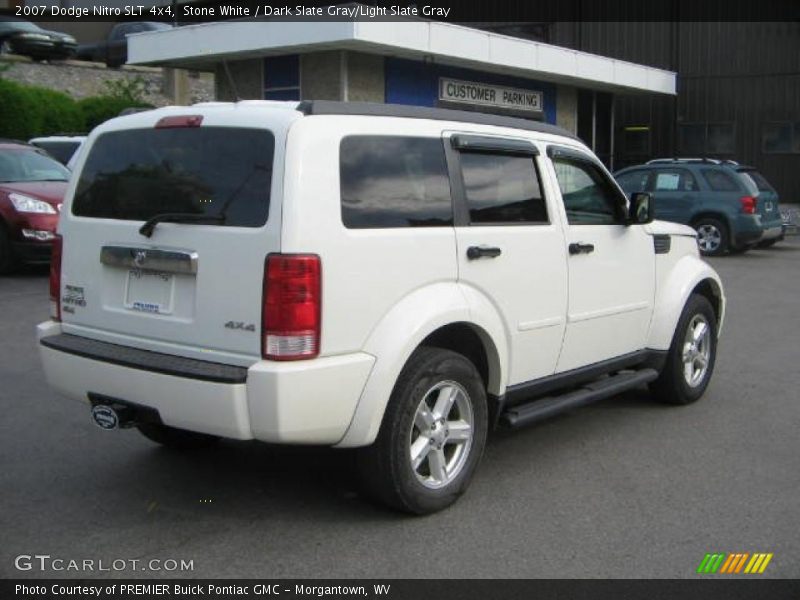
<point x="390" y="278"/>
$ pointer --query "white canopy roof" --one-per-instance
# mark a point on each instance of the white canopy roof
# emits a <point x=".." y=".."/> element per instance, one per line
<point x="202" y="46"/>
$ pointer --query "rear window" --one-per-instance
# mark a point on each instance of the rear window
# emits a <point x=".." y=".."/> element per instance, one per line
<point x="61" y="151"/>
<point x="761" y="183"/>
<point x="216" y="171"/>
<point x="389" y="181"/>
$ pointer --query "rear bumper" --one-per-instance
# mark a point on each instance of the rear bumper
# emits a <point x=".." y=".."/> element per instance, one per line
<point x="772" y="233"/>
<point x="303" y="402"/>
<point x="748" y="237"/>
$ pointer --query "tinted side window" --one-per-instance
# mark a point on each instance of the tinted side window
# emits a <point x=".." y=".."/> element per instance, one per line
<point x="389" y="181"/>
<point x="589" y="198"/>
<point x="674" y="180"/>
<point x="633" y="181"/>
<point x="501" y="188"/>
<point x="719" y="181"/>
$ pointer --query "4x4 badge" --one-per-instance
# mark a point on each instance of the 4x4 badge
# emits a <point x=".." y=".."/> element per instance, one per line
<point x="240" y="326"/>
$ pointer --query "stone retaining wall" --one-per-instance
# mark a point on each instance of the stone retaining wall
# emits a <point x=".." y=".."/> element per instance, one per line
<point x="80" y="79"/>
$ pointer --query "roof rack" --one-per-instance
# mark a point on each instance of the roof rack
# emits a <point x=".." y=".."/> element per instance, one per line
<point x="331" y="107"/>
<point x="710" y="161"/>
<point x="682" y="160"/>
<point x="66" y="134"/>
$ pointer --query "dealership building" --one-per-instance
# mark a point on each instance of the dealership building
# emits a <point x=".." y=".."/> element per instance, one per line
<point x="414" y="62"/>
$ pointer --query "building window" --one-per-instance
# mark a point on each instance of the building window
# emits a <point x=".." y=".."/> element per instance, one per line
<point x="780" y="138"/>
<point x="720" y="138"/>
<point x="700" y="139"/>
<point x="282" y="77"/>
<point x="636" y="140"/>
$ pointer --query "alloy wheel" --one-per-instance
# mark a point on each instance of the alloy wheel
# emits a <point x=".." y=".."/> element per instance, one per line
<point x="696" y="350"/>
<point x="441" y="437"/>
<point x="708" y="238"/>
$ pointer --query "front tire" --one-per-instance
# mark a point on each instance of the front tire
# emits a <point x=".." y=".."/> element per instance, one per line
<point x="432" y="435"/>
<point x="712" y="237"/>
<point x="178" y="439"/>
<point x="692" y="355"/>
<point x="7" y="260"/>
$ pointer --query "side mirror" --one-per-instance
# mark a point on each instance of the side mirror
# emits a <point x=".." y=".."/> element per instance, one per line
<point x="640" y="211"/>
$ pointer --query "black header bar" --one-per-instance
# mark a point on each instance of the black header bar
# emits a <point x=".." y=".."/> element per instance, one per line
<point x="506" y="12"/>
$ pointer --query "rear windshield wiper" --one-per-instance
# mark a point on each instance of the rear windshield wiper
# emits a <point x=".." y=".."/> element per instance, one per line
<point x="149" y="225"/>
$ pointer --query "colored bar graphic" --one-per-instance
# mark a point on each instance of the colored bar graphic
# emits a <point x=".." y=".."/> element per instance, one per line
<point x="710" y="563"/>
<point x="728" y="564"/>
<point x="765" y="563"/>
<point x="751" y="564"/>
<point x="741" y="562"/>
<point x="703" y="564"/>
<point x="723" y="563"/>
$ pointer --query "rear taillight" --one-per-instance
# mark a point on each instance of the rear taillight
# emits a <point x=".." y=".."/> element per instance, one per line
<point x="292" y="309"/>
<point x="748" y="205"/>
<point x="55" y="279"/>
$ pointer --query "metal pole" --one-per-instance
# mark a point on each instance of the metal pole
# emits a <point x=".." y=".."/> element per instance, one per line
<point x="594" y="120"/>
<point x="611" y="155"/>
<point x="344" y="82"/>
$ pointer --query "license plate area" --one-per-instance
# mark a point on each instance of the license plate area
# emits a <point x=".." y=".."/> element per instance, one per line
<point x="150" y="292"/>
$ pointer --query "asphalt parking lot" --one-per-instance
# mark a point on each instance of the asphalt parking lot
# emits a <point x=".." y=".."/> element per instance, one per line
<point x="625" y="488"/>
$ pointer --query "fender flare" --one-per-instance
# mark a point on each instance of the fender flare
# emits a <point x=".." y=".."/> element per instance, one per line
<point x="685" y="276"/>
<point x="401" y="331"/>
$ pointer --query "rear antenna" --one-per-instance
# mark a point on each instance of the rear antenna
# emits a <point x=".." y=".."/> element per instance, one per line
<point x="231" y="82"/>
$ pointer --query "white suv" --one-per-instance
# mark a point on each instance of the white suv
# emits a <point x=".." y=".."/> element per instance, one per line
<point x="391" y="278"/>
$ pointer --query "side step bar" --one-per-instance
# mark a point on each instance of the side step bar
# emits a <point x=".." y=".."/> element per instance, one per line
<point x="544" y="408"/>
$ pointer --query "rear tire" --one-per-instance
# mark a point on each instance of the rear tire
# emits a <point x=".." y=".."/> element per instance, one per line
<point x="691" y="356"/>
<point x="712" y="236"/>
<point x="432" y="435"/>
<point x="172" y="437"/>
